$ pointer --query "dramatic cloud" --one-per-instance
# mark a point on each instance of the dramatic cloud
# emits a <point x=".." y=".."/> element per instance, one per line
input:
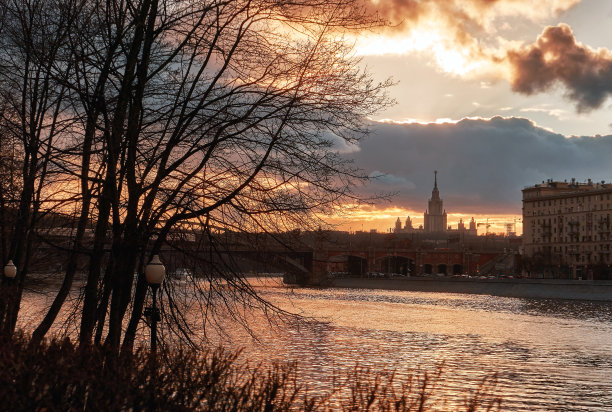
<point x="470" y="15"/>
<point x="476" y="39"/>
<point x="462" y="36"/>
<point x="391" y="182"/>
<point x="482" y="163"/>
<point x="556" y="57"/>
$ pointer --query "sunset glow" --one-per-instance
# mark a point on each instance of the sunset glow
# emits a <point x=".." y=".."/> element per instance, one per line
<point x="497" y="96"/>
<point x="446" y="56"/>
<point x="383" y="220"/>
<point x="306" y="205"/>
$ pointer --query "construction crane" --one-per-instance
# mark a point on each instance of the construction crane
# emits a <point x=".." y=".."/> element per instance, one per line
<point x="511" y="227"/>
<point x="487" y="226"/>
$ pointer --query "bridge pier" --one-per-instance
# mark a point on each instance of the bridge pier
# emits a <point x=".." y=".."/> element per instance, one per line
<point x="318" y="275"/>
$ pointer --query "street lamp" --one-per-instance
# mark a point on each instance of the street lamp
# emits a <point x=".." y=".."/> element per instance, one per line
<point x="10" y="270"/>
<point x="155" y="272"/>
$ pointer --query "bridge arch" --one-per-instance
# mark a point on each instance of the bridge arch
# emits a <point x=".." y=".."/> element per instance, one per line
<point x="402" y="265"/>
<point x="348" y="264"/>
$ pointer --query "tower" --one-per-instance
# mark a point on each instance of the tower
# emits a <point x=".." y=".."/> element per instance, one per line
<point x="435" y="215"/>
<point x="408" y="225"/>
<point x="472" y="224"/>
<point x="398" y="226"/>
<point x="473" y="228"/>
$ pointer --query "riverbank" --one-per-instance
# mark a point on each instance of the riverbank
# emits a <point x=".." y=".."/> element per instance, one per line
<point x="597" y="290"/>
<point x="59" y="375"/>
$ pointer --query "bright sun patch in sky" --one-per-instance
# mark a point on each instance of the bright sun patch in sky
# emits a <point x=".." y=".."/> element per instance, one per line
<point x="396" y="44"/>
<point x="455" y="60"/>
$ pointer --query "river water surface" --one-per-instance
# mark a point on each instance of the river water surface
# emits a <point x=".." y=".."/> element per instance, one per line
<point x="547" y="354"/>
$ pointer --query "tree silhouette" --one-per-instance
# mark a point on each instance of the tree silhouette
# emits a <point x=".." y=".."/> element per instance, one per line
<point x="212" y="115"/>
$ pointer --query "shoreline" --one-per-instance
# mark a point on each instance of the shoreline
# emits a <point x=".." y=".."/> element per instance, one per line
<point x="594" y="290"/>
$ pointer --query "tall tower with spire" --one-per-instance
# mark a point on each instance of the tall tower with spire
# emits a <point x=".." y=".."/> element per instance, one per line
<point x="435" y="215"/>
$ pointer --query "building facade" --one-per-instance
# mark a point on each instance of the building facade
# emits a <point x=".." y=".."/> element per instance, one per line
<point x="566" y="229"/>
<point x="434" y="218"/>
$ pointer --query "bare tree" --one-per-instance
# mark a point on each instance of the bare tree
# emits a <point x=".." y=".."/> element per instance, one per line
<point x="218" y="115"/>
<point x="32" y="43"/>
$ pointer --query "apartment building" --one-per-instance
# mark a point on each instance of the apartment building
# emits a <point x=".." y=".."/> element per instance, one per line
<point x="566" y="228"/>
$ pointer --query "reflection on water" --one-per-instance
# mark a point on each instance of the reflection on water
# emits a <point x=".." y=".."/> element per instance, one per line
<point x="547" y="354"/>
<point x="584" y="310"/>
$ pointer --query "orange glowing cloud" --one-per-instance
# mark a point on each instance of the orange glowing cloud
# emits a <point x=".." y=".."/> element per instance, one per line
<point x="461" y="36"/>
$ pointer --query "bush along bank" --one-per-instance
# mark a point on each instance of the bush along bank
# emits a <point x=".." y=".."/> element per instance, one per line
<point x="57" y="375"/>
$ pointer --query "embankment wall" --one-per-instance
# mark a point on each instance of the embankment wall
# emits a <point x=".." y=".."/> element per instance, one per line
<point x="520" y="288"/>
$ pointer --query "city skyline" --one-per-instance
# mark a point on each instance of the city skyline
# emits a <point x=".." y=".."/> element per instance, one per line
<point x="495" y="95"/>
<point x="372" y="218"/>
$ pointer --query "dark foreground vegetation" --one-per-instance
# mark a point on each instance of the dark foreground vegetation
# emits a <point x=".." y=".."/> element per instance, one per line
<point x="57" y="375"/>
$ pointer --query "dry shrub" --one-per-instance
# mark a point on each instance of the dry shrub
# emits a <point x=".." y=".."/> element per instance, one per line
<point x="363" y="390"/>
<point x="57" y="375"/>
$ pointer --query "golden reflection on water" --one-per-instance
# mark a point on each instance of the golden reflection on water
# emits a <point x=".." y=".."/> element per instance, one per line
<point x="548" y="354"/>
<point x="440" y="319"/>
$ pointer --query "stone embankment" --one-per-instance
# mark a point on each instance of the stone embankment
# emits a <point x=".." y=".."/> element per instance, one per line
<point x="598" y="290"/>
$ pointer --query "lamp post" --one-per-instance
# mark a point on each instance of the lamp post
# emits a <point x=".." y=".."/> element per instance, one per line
<point x="155" y="272"/>
<point x="10" y="270"/>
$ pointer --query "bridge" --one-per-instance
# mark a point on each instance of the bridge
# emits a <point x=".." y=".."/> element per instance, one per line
<point x="408" y="261"/>
<point x="313" y="267"/>
<point x="308" y="258"/>
<point x="311" y="262"/>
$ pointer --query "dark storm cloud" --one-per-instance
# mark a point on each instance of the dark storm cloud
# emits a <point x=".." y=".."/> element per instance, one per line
<point x="556" y="57"/>
<point x="482" y="164"/>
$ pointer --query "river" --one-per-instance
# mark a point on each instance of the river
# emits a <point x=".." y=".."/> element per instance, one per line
<point x="546" y="354"/>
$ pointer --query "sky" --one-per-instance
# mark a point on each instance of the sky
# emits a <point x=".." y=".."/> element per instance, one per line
<point x="496" y="95"/>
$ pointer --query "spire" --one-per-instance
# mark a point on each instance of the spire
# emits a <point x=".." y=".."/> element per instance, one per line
<point x="435" y="194"/>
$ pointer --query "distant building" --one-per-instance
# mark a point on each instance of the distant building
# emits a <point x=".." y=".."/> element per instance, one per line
<point x="566" y="229"/>
<point x="435" y="220"/>
<point x="435" y="215"/>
